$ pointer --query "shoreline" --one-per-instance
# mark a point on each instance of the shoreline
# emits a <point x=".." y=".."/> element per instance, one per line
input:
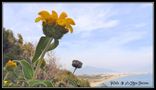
<point x="96" y="80"/>
<point x="94" y="83"/>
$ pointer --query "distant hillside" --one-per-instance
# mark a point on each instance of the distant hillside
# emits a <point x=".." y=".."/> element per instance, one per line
<point x="92" y="70"/>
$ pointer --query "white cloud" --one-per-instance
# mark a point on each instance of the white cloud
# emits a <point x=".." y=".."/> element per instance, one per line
<point x="124" y="38"/>
<point x="22" y="16"/>
<point x="95" y="19"/>
<point x="117" y="40"/>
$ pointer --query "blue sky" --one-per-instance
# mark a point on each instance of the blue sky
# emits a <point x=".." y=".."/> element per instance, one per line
<point x="116" y="36"/>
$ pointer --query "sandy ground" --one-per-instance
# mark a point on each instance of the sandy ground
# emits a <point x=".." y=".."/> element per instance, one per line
<point x="99" y="79"/>
<point x="95" y="82"/>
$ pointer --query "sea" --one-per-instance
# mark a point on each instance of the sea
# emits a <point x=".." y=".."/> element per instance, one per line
<point x="132" y="81"/>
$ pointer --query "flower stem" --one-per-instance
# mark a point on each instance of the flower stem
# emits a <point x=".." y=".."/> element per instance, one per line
<point x="74" y="70"/>
<point x="6" y="75"/>
<point x="41" y="58"/>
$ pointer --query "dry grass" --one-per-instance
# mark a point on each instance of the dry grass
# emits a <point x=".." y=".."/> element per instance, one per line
<point x="60" y="77"/>
<point x="51" y="68"/>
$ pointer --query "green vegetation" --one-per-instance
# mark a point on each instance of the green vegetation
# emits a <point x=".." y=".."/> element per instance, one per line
<point x="66" y="78"/>
<point x="27" y="67"/>
<point x="49" y="75"/>
<point x="15" y="48"/>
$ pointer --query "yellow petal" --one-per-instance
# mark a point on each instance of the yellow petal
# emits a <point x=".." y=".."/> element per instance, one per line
<point x="70" y="21"/>
<point x="9" y="61"/>
<point x="69" y="27"/>
<point x="54" y="15"/>
<point x="63" y="15"/>
<point x="44" y="14"/>
<point x="51" y="20"/>
<point x="61" y="22"/>
<point x="38" y="19"/>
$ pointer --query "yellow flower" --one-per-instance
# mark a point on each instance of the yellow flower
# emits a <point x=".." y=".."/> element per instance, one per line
<point x="65" y="22"/>
<point x="46" y="17"/>
<point x="53" y="18"/>
<point x="11" y="64"/>
<point x="6" y="82"/>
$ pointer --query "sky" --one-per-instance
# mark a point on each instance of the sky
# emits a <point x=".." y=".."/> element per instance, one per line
<point x="117" y="36"/>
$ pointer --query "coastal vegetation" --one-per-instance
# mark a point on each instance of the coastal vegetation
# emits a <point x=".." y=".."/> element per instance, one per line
<point x="50" y="69"/>
<point x="25" y="65"/>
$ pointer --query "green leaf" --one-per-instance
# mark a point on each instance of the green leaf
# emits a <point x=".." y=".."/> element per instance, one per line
<point x="26" y="69"/>
<point x="36" y="82"/>
<point x="40" y="48"/>
<point x="54" y="45"/>
<point x="46" y="83"/>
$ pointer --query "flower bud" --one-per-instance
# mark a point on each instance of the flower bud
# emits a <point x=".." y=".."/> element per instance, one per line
<point x="77" y="64"/>
<point x="10" y="65"/>
<point x="55" y="31"/>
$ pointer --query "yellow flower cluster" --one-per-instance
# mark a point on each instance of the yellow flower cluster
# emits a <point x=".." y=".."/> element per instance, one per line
<point x="53" y="18"/>
<point x="11" y="64"/>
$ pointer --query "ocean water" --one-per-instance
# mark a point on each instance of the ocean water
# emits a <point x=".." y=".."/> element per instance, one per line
<point x="133" y="81"/>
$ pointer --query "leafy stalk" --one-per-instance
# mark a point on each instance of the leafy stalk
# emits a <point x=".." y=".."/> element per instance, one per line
<point x="41" y="57"/>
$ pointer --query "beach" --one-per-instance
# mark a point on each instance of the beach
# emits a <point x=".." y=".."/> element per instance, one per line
<point x="105" y="78"/>
<point x="96" y="80"/>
